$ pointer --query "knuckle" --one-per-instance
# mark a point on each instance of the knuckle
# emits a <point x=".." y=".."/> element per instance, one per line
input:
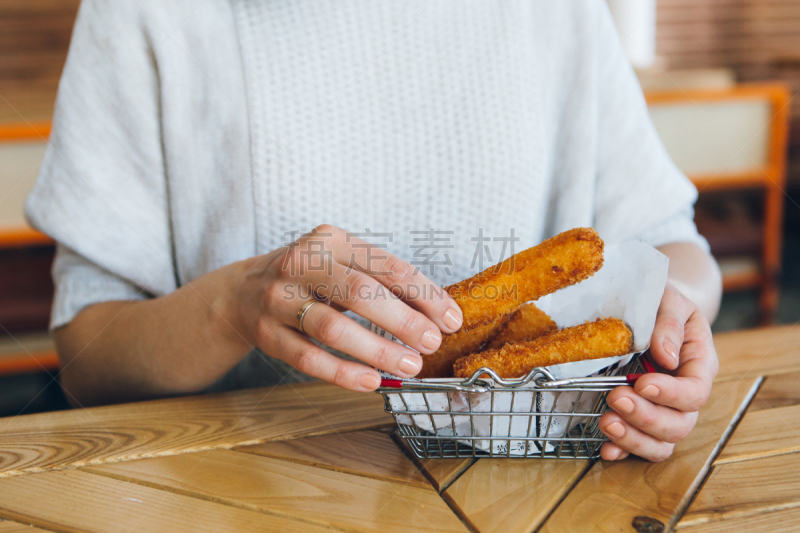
<point x="408" y="324"/>
<point x="662" y="453"/>
<point x="359" y="286"/>
<point x="700" y="400"/>
<point x="341" y="377"/>
<point x="289" y="262"/>
<point x="273" y="297"/>
<point x="672" y="325"/>
<point x="680" y="431"/>
<point x="327" y="228"/>
<point x="381" y="358"/>
<point x="401" y="272"/>
<point x="307" y="360"/>
<point x="680" y="434"/>
<point x="647" y="421"/>
<point x="331" y="329"/>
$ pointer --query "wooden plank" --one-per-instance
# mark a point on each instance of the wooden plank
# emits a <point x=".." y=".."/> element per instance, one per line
<point x="784" y="521"/>
<point x="747" y="488"/>
<point x="777" y="391"/>
<point x="293" y="490"/>
<point x="79" y="501"/>
<point x="439" y="472"/>
<point x="365" y="453"/>
<point x="764" y="434"/>
<point x="767" y="351"/>
<point x="612" y="494"/>
<point x="512" y="495"/>
<point x="16" y="527"/>
<point x="46" y="441"/>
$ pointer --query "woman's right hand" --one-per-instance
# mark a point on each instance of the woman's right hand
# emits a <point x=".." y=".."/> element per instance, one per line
<point x="348" y="273"/>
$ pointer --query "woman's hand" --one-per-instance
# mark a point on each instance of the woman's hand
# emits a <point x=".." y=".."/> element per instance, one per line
<point x="348" y="273"/>
<point x="661" y="409"/>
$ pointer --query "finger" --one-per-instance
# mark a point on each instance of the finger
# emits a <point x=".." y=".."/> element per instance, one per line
<point x="688" y="390"/>
<point x="404" y="280"/>
<point x="633" y="440"/>
<point x="363" y="295"/>
<point x="673" y="313"/>
<point x="611" y="452"/>
<point x="288" y="345"/>
<point x="663" y="423"/>
<point x="333" y="329"/>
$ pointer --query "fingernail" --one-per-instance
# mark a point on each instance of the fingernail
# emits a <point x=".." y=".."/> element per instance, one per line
<point x="431" y="339"/>
<point x="410" y="365"/>
<point x="452" y="320"/>
<point x="369" y="381"/>
<point x="623" y="405"/>
<point x="615" y="429"/>
<point x="651" y="391"/>
<point x="669" y="347"/>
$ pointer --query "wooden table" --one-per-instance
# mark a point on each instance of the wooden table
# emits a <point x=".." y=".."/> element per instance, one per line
<point x="314" y="457"/>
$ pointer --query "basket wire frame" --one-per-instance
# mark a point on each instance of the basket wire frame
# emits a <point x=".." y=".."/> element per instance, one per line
<point x="581" y="440"/>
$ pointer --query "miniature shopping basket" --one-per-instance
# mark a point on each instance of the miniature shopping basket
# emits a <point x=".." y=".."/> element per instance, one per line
<point x="537" y="416"/>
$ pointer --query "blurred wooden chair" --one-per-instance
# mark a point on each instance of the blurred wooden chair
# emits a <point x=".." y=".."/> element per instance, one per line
<point x="734" y="139"/>
<point x="26" y="354"/>
<point x="25" y="256"/>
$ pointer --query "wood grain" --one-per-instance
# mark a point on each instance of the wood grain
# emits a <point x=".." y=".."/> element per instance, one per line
<point x="365" y="453"/>
<point x="79" y="501"/>
<point x="439" y="472"/>
<point x="16" y="527"/>
<point x="763" y="434"/>
<point x="41" y="442"/>
<point x="611" y="495"/>
<point x="512" y="495"/>
<point x="784" y="521"/>
<point x="747" y="488"/>
<point x="293" y="490"/>
<point x="782" y="390"/>
<point x="760" y="352"/>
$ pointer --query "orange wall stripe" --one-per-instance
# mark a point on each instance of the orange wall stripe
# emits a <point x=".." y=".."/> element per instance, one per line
<point x="22" y="131"/>
<point x="22" y="237"/>
<point x="25" y="363"/>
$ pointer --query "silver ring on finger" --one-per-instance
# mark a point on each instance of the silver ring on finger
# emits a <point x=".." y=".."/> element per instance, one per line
<point x="301" y="314"/>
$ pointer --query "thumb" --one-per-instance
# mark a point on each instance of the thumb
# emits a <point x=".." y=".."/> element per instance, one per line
<point x="668" y="333"/>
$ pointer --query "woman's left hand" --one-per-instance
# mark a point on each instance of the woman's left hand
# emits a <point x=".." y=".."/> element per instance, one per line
<point x="661" y="409"/>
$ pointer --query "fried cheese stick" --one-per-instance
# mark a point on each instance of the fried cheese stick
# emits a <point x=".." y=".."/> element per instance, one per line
<point x="605" y="337"/>
<point x="563" y="260"/>
<point x="439" y="364"/>
<point x="525" y="324"/>
<point x="487" y="299"/>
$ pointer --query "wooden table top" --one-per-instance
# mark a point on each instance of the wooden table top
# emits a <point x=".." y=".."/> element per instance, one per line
<point x="314" y="457"/>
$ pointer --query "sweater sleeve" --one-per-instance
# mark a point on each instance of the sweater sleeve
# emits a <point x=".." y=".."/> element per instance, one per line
<point x="80" y="283"/>
<point x="101" y="191"/>
<point x="640" y="192"/>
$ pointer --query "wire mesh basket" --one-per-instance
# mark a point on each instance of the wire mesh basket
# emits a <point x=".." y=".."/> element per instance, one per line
<point x="537" y="416"/>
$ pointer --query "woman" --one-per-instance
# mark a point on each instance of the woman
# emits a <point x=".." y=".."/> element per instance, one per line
<point x="194" y="141"/>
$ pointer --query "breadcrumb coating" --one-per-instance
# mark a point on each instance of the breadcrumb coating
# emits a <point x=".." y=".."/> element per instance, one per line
<point x="563" y="260"/>
<point x="525" y="324"/>
<point x="439" y="364"/>
<point x="605" y="337"/>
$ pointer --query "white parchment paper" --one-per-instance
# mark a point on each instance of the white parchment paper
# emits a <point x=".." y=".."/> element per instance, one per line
<point x="629" y="287"/>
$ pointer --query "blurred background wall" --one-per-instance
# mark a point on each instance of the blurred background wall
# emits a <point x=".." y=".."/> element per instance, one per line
<point x="696" y="59"/>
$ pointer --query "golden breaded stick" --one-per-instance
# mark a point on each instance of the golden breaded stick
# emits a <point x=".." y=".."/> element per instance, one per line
<point x="439" y="364"/>
<point x="605" y="337"/>
<point x="556" y="263"/>
<point x="525" y="324"/>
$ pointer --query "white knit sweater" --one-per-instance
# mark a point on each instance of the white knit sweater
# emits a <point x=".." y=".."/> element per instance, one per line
<point x="191" y="134"/>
